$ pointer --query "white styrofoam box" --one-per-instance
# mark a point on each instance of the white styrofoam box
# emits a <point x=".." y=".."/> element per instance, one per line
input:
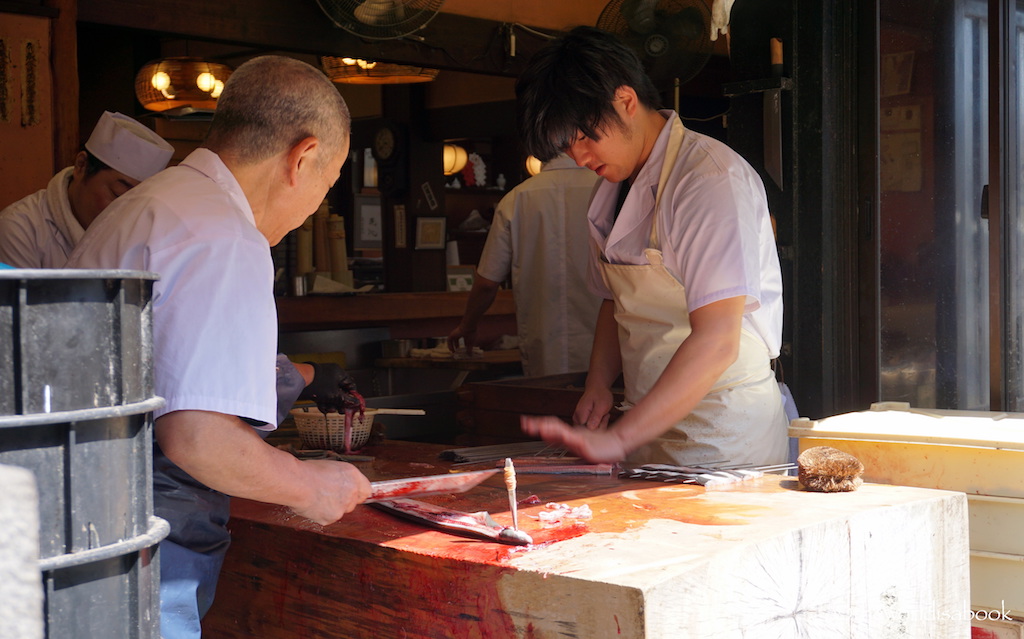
<point x="996" y="528"/>
<point x="996" y="524"/>
<point x="979" y="453"/>
<point x="997" y="583"/>
<point x="974" y="452"/>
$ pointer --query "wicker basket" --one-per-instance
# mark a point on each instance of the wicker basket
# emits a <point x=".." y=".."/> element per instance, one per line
<point x="327" y="432"/>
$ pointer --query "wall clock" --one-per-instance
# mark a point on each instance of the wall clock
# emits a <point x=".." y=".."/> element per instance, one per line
<point x="387" y="143"/>
<point x="390" y="151"/>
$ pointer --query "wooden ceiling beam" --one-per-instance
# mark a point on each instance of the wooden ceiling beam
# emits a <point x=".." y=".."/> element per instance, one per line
<point x="447" y="42"/>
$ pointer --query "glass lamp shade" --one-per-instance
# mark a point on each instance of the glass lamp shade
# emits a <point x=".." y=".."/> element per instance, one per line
<point x="455" y="158"/>
<point x="356" y="71"/>
<point x="170" y="83"/>
<point x="533" y="165"/>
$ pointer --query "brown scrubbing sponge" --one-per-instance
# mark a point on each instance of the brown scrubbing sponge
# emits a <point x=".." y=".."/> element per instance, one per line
<point x="824" y="469"/>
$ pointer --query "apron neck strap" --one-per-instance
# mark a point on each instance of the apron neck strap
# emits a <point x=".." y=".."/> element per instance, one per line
<point x="675" y="141"/>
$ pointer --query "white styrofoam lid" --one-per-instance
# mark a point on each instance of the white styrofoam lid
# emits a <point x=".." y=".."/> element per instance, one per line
<point x="894" y="421"/>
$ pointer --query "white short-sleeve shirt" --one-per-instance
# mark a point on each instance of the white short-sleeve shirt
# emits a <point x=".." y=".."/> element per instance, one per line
<point x="214" y="316"/>
<point x="714" y="231"/>
<point x="538" y="234"/>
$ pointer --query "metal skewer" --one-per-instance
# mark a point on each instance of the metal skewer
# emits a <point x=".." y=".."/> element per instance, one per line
<point x="510" y="484"/>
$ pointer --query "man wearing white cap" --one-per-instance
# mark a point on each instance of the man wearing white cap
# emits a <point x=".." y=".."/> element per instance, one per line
<point x="41" y="230"/>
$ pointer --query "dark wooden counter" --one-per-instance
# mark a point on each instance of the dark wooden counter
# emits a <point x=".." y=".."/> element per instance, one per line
<point x="322" y="312"/>
<point x="759" y="559"/>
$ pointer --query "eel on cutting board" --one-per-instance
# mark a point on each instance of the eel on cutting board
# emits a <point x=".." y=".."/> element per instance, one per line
<point x="479" y="524"/>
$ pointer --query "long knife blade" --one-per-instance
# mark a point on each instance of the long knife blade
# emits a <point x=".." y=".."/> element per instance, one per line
<point x="773" y="135"/>
<point x="772" y="119"/>
<point x="428" y="485"/>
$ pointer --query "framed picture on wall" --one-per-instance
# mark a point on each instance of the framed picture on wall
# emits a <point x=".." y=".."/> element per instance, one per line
<point x="430" y="232"/>
<point x="367" y="226"/>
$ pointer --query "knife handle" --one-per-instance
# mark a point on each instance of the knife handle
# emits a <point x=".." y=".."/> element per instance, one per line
<point x="775" y="46"/>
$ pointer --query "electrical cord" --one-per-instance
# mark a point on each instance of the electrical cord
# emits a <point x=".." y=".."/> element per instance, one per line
<point x="707" y="119"/>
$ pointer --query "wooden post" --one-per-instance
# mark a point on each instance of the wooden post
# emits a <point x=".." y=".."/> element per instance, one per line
<point x="64" y="64"/>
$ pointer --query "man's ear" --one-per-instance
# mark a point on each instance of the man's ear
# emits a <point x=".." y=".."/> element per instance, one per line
<point x="302" y="157"/>
<point x="81" y="162"/>
<point x="626" y="95"/>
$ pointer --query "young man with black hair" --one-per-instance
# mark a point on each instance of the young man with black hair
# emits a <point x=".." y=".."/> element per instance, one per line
<point x="684" y="258"/>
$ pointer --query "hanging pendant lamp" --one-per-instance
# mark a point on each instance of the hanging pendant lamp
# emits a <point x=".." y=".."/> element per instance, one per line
<point x="170" y="83"/>
<point x="357" y="71"/>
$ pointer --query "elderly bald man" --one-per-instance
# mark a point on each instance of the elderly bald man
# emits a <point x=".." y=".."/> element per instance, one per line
<point x="41" y="230"/>
<point x="277" y="143"/>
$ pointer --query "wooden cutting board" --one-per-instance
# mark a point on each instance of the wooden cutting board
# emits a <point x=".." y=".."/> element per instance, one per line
<point x="761" y="559"/>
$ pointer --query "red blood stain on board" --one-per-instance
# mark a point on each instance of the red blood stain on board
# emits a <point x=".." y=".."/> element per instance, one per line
<point x="618" y="505"/>
<point x="614" y="510"/>
<point x="618" y="628"/>
<point x="279" y="599"/>
<point x="472" y="598"/>
<point x="410" y="576"/>
<point x="439" y="543"/>
<point x="433" y="588"/>
<point x="443" y="483"/>
<point x="981" y="633"/>
<point x="404" y="490"/>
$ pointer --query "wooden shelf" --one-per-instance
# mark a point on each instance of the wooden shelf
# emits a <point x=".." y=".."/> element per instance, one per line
<point x="320" y="312"/>
<point x="473" y="190"/>
<point x="503" y="360"/>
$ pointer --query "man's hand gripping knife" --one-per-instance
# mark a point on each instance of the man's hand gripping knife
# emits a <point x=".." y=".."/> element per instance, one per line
<point x="332" y="389"/>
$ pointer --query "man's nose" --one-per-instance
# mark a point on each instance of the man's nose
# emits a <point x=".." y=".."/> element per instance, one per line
<point x="578" y="154"/>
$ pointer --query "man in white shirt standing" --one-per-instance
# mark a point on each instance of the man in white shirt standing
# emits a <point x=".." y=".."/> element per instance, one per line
<point x="276" y="145"/>
<point x="535" y="237"/>
<point x="41" y="230"/>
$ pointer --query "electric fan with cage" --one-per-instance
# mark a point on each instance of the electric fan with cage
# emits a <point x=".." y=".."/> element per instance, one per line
<point x="381" y="19"/>
<point x="671" y="37"/>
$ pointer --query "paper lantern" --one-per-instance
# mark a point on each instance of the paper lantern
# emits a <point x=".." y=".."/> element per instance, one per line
<point x="455" y="158"/>
<point x="170" y="83"/>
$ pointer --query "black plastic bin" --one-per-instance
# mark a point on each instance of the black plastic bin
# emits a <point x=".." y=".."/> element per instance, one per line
<point x="76" y="408"/>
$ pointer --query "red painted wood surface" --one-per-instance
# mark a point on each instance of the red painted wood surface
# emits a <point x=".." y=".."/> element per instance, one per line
<point x="375" y="575"/>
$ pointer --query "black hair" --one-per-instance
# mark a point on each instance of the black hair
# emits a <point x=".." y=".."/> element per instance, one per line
<point x="569" y="87"/>
<point x="93" y="164"/>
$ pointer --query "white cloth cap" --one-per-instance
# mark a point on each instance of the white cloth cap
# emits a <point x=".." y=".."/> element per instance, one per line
<point x="128" y="146"/>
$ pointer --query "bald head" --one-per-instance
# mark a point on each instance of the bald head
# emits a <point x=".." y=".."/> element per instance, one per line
<point x="270" y="103"/>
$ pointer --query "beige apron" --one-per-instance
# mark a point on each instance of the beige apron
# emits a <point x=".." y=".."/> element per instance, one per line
<point x="742" y="418"/>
